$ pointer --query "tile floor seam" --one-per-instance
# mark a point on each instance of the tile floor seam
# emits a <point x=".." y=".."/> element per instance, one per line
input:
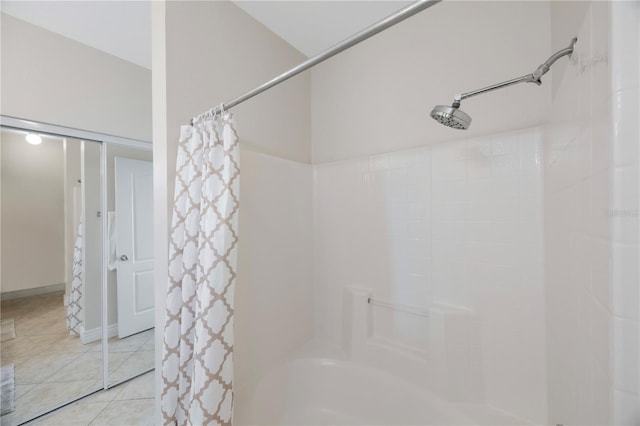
<point x="132" y="399"/>
<point x="44" y="380"/>
<point x="100" y="412"/>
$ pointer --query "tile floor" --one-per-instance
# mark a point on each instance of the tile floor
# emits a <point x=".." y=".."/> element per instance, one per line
<point x="129" y="404"/>
<point x="52" y="367"/>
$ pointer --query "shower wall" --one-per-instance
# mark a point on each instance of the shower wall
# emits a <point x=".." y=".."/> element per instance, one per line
<point x="625" y="211"/>
<point x="376" y="97"/>
<point x="455" y="223"/>
<point x="274" y="289"/>
<point x="583" y="284"/>
<point x="591" y="217"/>
<point x="458" y="221"/>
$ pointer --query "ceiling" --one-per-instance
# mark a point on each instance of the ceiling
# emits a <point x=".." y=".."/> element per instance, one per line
<point x="123" y="28"/>
<point x="314" y="25"/>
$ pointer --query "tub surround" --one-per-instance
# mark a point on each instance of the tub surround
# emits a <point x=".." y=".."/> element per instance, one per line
<point x="452" y="231"/>
<point x="451" y="227"/>
<point x="591" y="222"/>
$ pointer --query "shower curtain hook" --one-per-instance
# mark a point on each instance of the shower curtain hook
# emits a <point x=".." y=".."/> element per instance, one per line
<point x="221" y="108"/>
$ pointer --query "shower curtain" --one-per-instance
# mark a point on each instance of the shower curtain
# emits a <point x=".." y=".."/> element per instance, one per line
<point x="197" y="362"/>
<point x="74" y="308"/>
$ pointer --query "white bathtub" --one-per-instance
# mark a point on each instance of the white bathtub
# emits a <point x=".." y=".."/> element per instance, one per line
<point x="369" y="381"/>
<point x="322" y="391"/>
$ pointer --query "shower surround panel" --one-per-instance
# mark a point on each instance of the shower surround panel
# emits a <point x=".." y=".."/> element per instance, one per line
<point x="591" y="218"/>
<point x="458" y="223"/>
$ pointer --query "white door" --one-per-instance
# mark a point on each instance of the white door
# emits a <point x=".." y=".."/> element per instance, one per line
<point x="134" y="243"/>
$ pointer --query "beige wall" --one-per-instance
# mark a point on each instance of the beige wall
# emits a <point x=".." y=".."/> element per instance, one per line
<point x="32" y="213"/>
<point x="229" y="53"/>
<point x="49" y="78"/>
<point x="376" y="97"/>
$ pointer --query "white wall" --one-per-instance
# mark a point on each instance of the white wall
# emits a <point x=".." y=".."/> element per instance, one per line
<point x="377" y="96"/>
<point x="457" y="223"/>
<point x="214" y="52"/>
<point x="49" y="78"/>
<point x="625" y="100"/>
<point x="32" y="212"/>
<point x="577" y="230"/>
<point x="591" y="230"/>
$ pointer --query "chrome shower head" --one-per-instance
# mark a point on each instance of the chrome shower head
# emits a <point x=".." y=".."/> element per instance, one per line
<point x="451" y="116"/>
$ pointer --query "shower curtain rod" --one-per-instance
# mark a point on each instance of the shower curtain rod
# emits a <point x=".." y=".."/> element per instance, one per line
<point x="372" y="30"/>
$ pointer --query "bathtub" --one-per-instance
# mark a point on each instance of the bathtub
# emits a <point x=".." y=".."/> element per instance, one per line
<point x="369" y="380"/>
<point x="324" y="391"/>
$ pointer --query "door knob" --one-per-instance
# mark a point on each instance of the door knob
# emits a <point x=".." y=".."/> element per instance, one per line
<point x="124" y="258"/>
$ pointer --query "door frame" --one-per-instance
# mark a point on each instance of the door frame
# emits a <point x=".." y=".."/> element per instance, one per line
<point x="104" y="140"/>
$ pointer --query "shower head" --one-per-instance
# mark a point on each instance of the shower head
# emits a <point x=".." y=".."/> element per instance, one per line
<point x="451" y="116"/>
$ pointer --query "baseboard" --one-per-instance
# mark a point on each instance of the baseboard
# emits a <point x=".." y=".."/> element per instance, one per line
<point x="95" y="334"/>
<point x="19" y="294"/>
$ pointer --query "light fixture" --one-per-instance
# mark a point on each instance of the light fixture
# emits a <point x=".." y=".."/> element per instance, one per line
<point x="33" y="139"/>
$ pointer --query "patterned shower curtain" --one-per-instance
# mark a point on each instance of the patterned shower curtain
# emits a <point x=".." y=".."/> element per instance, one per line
<point x="197" y="363"/>
<point x="74" y="308"/>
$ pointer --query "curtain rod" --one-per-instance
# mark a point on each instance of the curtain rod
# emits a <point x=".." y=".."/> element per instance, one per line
<point x="372" y="30"/>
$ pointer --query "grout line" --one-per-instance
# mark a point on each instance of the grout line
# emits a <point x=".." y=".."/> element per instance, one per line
<point x="118" y="400"/>
<point x="99" y="412"/>
<point x="133" y="399"/>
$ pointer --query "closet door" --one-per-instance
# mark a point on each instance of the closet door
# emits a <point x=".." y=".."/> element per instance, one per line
<point x="51" y="269"/>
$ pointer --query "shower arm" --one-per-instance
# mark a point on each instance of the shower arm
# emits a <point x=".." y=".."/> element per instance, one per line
<point x="534" y="77"/>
